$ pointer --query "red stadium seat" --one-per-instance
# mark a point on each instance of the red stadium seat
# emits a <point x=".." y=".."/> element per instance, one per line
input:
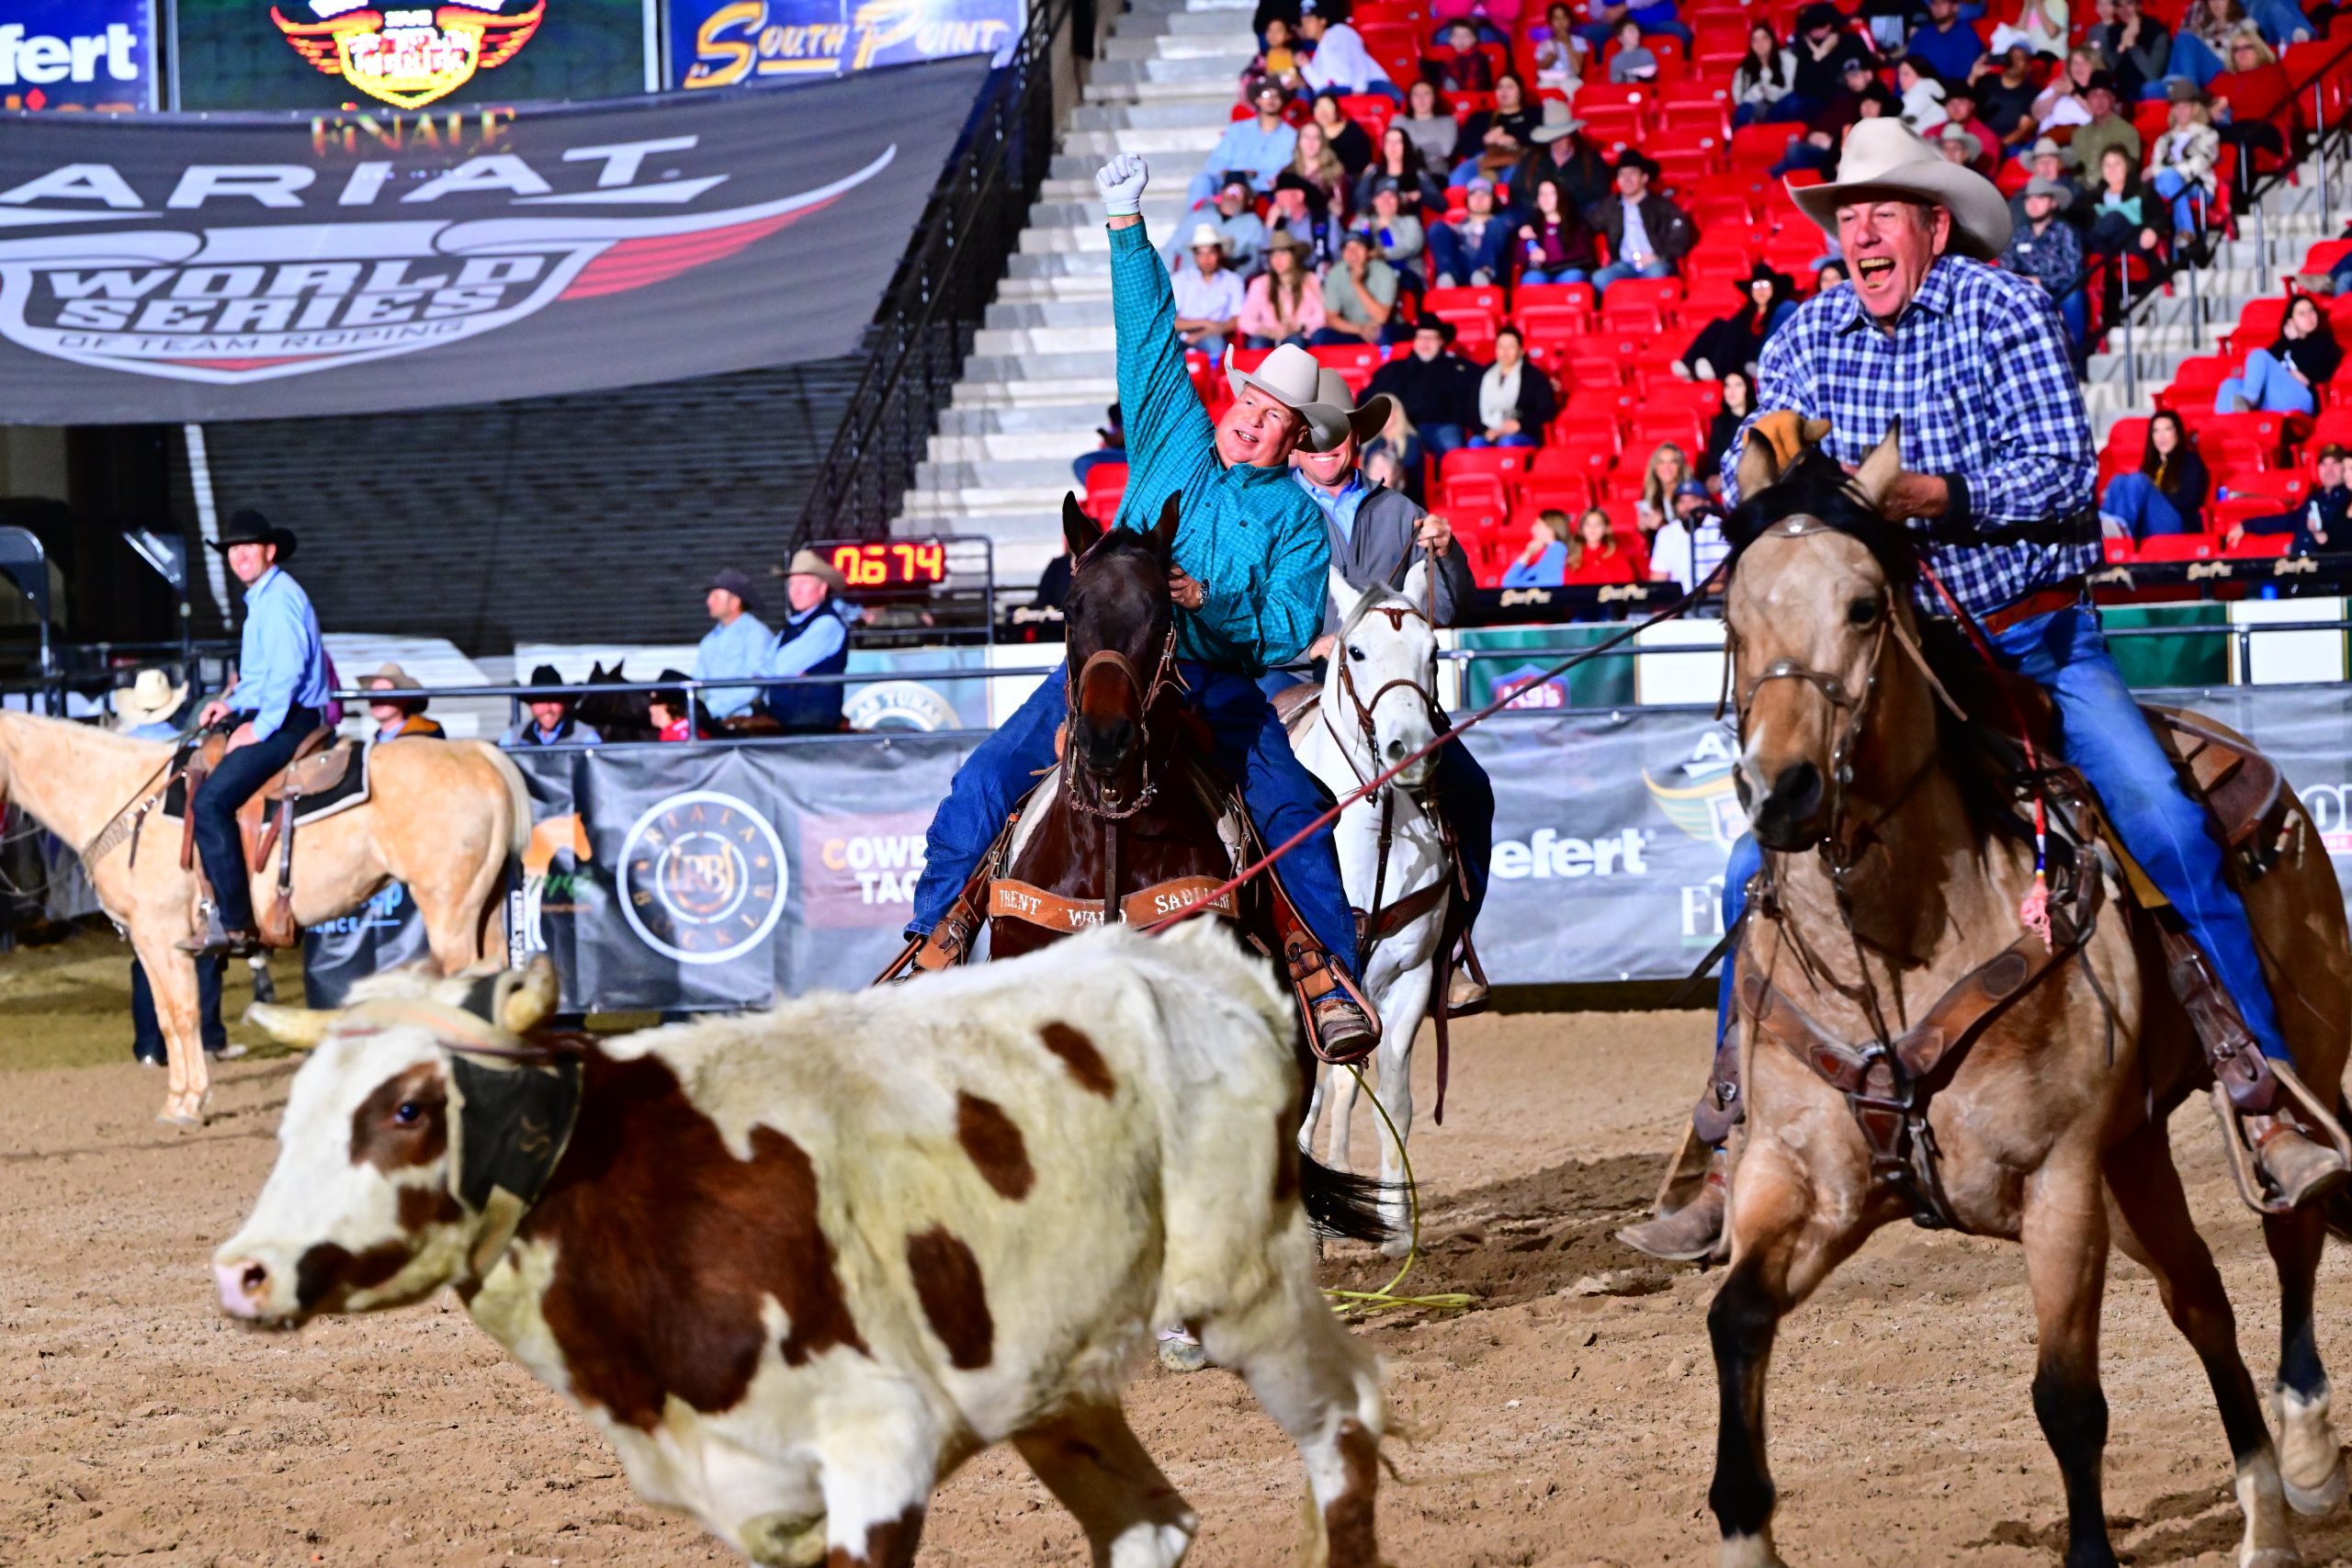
<point x="2260" y="546"/>
<point x="1105" y="484"/>
<point x="1488" y="297"/>
<point x="1502" y="464"/>
<point x="2178" y="547"/>
<point x="2258" y="327"/>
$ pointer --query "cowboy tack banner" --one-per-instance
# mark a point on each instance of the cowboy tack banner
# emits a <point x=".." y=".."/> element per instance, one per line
<point x="672" y="878"/>
<point x="171" y="270"/>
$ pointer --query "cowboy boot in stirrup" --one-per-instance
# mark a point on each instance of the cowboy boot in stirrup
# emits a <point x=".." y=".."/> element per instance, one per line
<point x="1694" y="1231"/>
<point x="1465" y="992"/>
<point x="1343" y="1029"/>
<point x="215" y="941"/>
<point x="2296" y="1166"/>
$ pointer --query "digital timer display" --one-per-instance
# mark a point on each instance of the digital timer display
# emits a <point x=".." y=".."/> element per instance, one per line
<point x="884" y="565"/>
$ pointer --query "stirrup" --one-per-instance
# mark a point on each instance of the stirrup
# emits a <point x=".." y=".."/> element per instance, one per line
<point x="2311" y="1118"/>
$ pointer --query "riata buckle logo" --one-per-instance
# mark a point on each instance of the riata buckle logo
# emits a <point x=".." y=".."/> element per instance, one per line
<point x="409" y="57"/>
<point x="199" y="296"/>
<point x="702" y="877"/>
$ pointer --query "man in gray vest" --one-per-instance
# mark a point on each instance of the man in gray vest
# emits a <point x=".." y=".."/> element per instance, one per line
<point x="1376" y="534"/>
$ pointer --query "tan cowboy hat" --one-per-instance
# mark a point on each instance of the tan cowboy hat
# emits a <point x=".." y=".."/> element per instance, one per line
<point x="150" y="699"/>
<point x="1887" y="155"/>
<point x="1337" y="405"/>
<point x="1205" y="236"/>
<point x="808" y="563"/>
<point x="395" y="677"/>
<point x="1288" y="375"/>
<point x="1558" y="121"/>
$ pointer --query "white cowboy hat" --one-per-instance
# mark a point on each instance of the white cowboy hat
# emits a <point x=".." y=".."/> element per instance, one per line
<point x="1205" y="236"/>
<point x="150" y="699"/>
<point x="1337" y="405"/>
<point x="1288" y="375"/>
<point x="1887" y="155"/>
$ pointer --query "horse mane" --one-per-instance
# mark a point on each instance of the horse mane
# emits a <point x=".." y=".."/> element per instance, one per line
<point x="1816" y="487"/>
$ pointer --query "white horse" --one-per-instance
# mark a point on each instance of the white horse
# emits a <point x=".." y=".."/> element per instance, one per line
<point x="1379" y="706"/>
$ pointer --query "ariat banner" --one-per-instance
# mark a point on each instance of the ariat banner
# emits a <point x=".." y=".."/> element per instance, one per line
<point x="165" y="270"/>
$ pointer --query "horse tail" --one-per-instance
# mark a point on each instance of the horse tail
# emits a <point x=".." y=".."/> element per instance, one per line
<point x="1341" y="1203"/>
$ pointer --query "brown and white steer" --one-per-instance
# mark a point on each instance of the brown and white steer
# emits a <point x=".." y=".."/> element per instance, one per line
<point x="797" y="1266"/>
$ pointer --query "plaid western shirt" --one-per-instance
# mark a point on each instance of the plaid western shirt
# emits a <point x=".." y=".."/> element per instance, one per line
<point x="1977" y="369"/>
<point x="1251" y="536"/>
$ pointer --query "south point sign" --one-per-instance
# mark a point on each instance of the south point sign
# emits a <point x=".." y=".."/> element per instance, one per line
<point x="408" y="56"/>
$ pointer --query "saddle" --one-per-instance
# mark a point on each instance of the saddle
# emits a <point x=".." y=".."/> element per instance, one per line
<point x="324" y="776"/>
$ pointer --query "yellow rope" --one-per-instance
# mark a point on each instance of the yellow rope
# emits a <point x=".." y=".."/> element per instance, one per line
<point x="1386" y="1299"/>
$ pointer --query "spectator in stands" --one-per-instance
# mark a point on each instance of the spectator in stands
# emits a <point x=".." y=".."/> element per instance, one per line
<point x="1544" y="563"/>
<point x="1864" y="98"/>
<point x="1285" y="301"/>
<point x="1763" y="80"/>
<point x="2046" y="250"/>
<point x="1313" y="160"/>
<point x="2040" y="29"/>
<point x="1208" y="296"/>
<point x="1832" y="273"/>
<point x="2200" y="45"/>
<point x="1559" y="53"/>
<point x="2281" y="21"/>
<point x="1921" y="94"/>
<point x="1339" y="59"/>
<point x="1053" y="584"/>
<point x="2106" y="127"/>
<point x="1824" y="48"/>
<point x="2121" y="210"/>
<point x="1555" y="244"/>
<point x="1396" y="233"/>
<point x="2286" y="377"/>
<point x="2136" y="50"/>
<point x="1235" y="218"/>
<point x="2065" y="101"/>
<point x="1668" y="466"/>
<point x="1515" y="399"/>
<point x="1947" y="45"/>
<point x="2324" y="515"/>
<point x="1472" y="248"/>
<point x="1438" y="391"/>
<point x="1487" y="136"/>
<point x="2052" y="164"/>
<point x="1736" y="342"/>
<point x="398" y="717"/>
<point x="1359" y="297"/>
<point x="669" y="712"/>
<point x="2167" y="495"/>
<point x="1113" y="433"/>
<point x="1268" y="12"/>
<point x="1633" y="64"/>
<point x="1260" y="147"/>
<point x="549" y="722"/>
<point x="1560" y="152"/>
<point x="1651" y="16"/>
<point x="2180" y="165"/>
<point x="1276" y="63"/>
<point x="2255" y="89"/>
<point x="1346" y="138"/>
<point x="1960" y="109"/>
<point x="737" y="644"/>
<point x="1688" y="550"/>
<point x="2005" y="94"/>
<point x="1739" y="402"/>
<point x="1301" y="210"/>
<point x="813" y="640"/>
<point x="1596" y="557"/>
<point x="148" y="709"/>
<point x="1649" y="522"/>
<point x="1648" y="235"/>
<point x="1465" y="68"/>
<point x="1431" y="128"/>
<point x="1401" y="161"/>
<point x="1958" y="146"/>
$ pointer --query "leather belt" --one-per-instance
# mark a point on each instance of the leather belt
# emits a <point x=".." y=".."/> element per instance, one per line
<point x="2045" y="601"/>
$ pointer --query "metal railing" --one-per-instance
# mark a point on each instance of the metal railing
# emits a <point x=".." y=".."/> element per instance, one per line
<point x="920" y="337"/>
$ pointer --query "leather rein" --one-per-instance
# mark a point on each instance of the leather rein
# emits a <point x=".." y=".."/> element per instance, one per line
<point x="1888" y="1079"/>
<point x="1385" y="919"/>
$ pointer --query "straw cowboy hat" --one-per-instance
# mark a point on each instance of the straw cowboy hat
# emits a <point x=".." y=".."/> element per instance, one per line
<point x="1289" y="376"/>
<point x="1887" y="157"/>
<point x="1558" y="121"/>
<point x="1336" y="405"/>
<point x="152" y="698"/>
<point x="808" y="563"/>
<point x="388" y="678"/>
<point x="1206" y="237"/>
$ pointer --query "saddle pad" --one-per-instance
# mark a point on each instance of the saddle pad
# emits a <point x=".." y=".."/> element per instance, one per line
<point x="1223" y="804"/>
<point x="349" y="791"/>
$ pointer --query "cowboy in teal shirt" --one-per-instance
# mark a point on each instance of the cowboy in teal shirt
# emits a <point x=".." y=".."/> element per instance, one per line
<point x="1252" y="566"/>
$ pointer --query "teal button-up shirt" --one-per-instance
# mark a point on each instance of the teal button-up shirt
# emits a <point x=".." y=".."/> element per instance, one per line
<point x="1251" y="536"/>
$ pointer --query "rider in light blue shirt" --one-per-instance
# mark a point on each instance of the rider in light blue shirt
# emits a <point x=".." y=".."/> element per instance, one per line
<point x="738" y="645"/>
<point x="282" y="660"/>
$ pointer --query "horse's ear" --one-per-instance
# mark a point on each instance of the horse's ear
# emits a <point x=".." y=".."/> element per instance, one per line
<point x="1876" y="476"/>
<point x="1759" y="468"/>
<point x="1079" y="531"/>
<point x="1163" y="537"/>
<point x="1345" y="593"/>
<point x="1416" y="584"/>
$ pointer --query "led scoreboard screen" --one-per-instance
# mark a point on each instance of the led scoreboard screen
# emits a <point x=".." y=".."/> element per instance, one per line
<point x="888" y="566"/>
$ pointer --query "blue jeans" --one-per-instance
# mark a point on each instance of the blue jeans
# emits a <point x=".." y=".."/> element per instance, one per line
<point x="2102" y="732"/>
<point x="1086" y="463"/>
<point x="2194" y="60"/>
<point x="239" y="777"/>
<point x="1553" y="275"/>
<point x="2170" y="184"/>
<point x="2268" y="386"/>
<point x="1329" y="338"/>
<point x="1440" y="439"/>
<point x="1250" y="747"/>
<point x="1657" y="266"/>
<point x="1504" y="441"/>
<point x="2134" y="501"/>
<point x="1451" y="257"/>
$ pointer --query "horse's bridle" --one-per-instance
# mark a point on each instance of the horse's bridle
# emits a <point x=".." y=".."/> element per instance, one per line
<point x="1164" y="677"/>
<point x="1364" y="708"/>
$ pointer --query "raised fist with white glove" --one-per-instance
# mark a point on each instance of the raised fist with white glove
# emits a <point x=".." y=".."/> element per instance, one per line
<point x="1121" y="181"/>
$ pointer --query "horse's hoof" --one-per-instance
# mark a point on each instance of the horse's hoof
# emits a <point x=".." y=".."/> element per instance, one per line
<point x="2271" y="1557"/>
<point x="1180" y="1352"/>
<point x="178" y="1119"/>
<point x="1396" y="1246"/>
<point x="2319" y="1501"/>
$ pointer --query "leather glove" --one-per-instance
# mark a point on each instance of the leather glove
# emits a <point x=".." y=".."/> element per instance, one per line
<point x="1789" y="433"/>
<point x="1121" y="181"/>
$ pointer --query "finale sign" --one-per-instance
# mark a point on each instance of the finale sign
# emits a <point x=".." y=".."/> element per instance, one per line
<point x="409" y="57"/>
<point x="163" y="270"/>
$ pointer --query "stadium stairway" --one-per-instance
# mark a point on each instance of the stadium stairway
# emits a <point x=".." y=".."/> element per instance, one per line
<point x="1040" y="373"/>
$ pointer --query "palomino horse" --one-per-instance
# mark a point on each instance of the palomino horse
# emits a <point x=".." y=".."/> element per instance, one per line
<point x="1379" y="706"/>
<point x="442" y="816"/>
<point x="1892" y="892"/>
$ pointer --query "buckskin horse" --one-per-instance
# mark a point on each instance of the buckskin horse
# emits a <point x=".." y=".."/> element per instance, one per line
<point x="1895" y="994"/>
<point x="441" y="816"/>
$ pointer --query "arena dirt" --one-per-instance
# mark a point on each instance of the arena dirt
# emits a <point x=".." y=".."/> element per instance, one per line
<point x="1568" y="1421"/>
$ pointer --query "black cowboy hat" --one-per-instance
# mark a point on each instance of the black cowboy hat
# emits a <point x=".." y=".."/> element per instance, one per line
<point x="247" y="526"/>
<point x="1634" y="157"/>
<point x="1820" y="15"/>
<point x="548" y="675"/>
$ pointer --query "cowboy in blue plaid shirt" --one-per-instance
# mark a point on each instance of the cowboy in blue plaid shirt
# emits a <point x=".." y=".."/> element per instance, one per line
<point x="1972" y="361"/>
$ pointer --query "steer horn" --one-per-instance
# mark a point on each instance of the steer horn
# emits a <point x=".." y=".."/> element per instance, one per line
<point x="531" y="998"/>
<point x="299" y="1026"/>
